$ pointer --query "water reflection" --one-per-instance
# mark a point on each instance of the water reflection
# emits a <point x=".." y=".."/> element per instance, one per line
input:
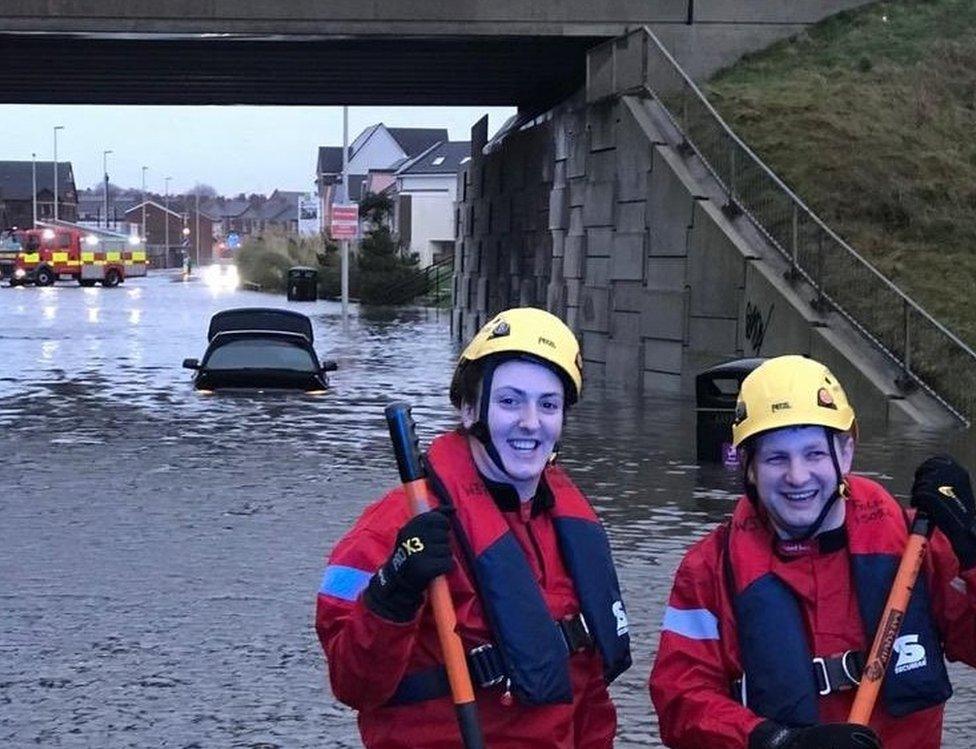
<point x="159" y="571"/>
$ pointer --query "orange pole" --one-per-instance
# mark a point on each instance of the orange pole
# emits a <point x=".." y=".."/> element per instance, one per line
<point x="406" y="446"/>
<point x="876" y="665"/>
<point x="455" y="660"/>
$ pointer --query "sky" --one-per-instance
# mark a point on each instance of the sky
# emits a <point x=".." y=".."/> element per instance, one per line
<point x="232" y="148"/>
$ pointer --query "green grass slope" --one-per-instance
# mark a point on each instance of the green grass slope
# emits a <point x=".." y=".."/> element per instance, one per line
<point x="870" y="117"/>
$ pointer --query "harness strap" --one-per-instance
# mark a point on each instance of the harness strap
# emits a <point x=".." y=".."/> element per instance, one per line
<point x="486" y="665"/>
<point x="834" y="674"/>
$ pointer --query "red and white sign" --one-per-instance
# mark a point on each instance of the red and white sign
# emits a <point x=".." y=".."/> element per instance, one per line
<point x="345" y="221"/>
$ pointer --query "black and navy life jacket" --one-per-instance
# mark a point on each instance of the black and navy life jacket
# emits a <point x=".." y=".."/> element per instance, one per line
<point x="780" y="681"/>
<point x="532" y="647"/>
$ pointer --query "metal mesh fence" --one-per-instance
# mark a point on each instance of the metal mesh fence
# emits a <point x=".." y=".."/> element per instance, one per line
<point x="929" y="355"/>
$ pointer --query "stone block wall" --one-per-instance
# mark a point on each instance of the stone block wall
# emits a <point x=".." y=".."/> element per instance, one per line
<point x="588" y="216"/>
<point x="505" y="254"/>
<point x="604" y="228"/>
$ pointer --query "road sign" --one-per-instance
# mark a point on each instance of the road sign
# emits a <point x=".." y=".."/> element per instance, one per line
<point x="345" y="221"/>
<point x="308" y="215"/>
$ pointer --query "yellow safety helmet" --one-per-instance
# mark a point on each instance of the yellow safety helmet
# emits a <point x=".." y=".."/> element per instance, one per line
<point x="530" y="331"/>
<point x="789" y="391"/>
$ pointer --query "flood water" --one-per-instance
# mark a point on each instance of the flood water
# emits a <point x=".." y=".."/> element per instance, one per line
<point x="160" y="550"/>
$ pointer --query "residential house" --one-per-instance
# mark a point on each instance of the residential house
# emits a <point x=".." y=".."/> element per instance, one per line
<point x="91" y="209"/>
<point x="328" y="175"/>
<point x="376" y="150"/>
<point x="279" y="213"/>
<point x="17" y="192"/>
<point x="380" y="180"/>
<point x="424" y="197"/>
<point x="166" y="242"/>
<point x="228" y="214"/>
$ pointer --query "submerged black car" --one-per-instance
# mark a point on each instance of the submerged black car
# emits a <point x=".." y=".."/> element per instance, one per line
<point x="260" y="348"/>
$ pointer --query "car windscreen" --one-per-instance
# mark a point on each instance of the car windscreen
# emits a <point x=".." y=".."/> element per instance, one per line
<point x="260" y="353"/>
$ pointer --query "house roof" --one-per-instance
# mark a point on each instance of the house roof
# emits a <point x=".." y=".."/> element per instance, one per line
<point x="441" y="158"/>
<point x="16" y="178"/>
<point x="95" y="204"/>
<point x="138" y="207"/>
<point x="222" y="209"/>
<point x="330" y="160"/>
<point x="91" y="201"/>
<point x="291" y="195"/>
<point x="412" y="140"/>
<point x="416" y="140"/>
<point x="363" y="138"/>
<point x="281" y="206"/>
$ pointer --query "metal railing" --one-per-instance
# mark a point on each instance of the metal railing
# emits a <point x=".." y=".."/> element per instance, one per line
<point x="433" y="283"/>
<point x="929" y="355"/>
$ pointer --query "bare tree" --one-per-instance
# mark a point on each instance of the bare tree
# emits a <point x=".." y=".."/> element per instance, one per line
<point x="203" y="190"/>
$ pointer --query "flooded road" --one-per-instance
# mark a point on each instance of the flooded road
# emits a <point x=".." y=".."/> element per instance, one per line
<point x="160" y="550"/>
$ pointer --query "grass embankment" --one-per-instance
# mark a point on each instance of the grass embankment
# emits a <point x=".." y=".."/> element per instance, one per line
<point x="870" y="117"/>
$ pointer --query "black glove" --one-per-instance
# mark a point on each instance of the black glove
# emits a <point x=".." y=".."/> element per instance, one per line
<point x="422" y="552"/>
<point x="942" y="490"/>
<point x="770" y="735"/>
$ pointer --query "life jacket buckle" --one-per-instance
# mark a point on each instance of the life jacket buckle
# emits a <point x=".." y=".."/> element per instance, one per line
<point x="838" y="673"/>
<point x="854" y="665"/>
<point x="575" y="632"/>
<point x="486" y="665"/>
<point x="832" y="674"/>
<point x="825" y="687"/>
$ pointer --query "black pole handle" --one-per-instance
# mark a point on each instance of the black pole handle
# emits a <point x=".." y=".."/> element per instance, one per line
<point x="922" y="525"/>
<point x="406" y="445"/>
<point x="470" y="727"/>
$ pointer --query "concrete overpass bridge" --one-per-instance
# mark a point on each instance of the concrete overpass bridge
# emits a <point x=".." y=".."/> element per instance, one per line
<point x="357" y="52"/>
<point x="598" y="205"/>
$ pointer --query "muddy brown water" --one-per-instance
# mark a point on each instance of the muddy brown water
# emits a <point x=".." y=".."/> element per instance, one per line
<point x="160" y="549"/>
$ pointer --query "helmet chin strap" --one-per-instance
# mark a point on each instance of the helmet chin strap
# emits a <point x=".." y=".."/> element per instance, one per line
<point x="480" y="428"/>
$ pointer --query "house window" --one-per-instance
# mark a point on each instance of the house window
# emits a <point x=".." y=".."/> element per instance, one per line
<point x="438" y="161"/>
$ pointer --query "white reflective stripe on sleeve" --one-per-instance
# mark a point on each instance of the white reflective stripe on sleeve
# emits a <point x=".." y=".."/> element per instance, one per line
<point x="698" y="624"/>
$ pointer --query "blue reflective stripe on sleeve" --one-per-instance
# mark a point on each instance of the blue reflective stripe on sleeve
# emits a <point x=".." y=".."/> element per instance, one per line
<point x="698" y="624"/>
<point x="344" y="582"/>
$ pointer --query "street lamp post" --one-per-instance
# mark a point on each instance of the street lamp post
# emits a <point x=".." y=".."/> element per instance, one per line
<point x="145" y="239"/>
<point x="56" y="128"/>
<point x="105" y="171"/>
<point x="34" y="188"/>
<point x="166" y="218"/>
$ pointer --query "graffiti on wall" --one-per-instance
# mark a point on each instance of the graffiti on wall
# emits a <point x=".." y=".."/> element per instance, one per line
<point x="757" y="325"/>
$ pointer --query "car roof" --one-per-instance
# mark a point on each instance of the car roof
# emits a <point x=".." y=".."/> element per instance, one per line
<point x="260" y="319"/>
<point x="279" y="335"/>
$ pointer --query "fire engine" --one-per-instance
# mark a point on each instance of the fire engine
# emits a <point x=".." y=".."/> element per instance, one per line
<point x="9" y="247"/>
<point x="90" y="256"/>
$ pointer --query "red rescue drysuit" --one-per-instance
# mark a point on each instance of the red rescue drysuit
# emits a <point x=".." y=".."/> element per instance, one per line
<point x="369" y="657"/>
<point x="700" y="654"/>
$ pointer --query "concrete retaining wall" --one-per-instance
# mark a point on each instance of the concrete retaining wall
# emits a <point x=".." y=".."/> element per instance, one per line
<point x="598" y="217"/>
